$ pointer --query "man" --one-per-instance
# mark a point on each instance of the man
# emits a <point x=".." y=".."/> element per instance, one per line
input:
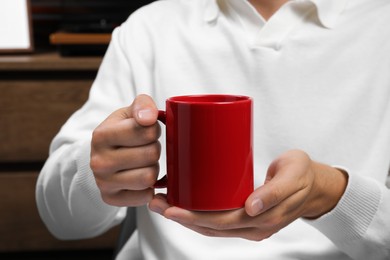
<point x="318" y="73"/>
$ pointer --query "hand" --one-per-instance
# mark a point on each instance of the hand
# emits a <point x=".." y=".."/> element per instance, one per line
<point x="295" y="187"/>
<point x="125" y="153"/>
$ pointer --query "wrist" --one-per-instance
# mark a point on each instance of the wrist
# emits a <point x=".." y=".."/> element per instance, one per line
<point x="328" y="188"/>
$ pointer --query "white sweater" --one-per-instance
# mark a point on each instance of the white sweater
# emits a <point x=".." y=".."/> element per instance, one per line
<point x="319" y="74"/>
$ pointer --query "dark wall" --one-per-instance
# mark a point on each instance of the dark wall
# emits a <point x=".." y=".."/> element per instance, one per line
<point x="49" y="16"/>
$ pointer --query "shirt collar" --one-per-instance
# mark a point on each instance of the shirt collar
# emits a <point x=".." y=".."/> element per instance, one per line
<point x="211" y="10"/>
<point x="328" y="11"/>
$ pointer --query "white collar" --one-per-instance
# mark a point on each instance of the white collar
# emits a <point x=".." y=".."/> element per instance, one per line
<point x="211" y="10"/>
<point x="328" y="10"/>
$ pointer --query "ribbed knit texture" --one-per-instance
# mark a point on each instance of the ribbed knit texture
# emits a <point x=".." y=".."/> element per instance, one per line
<point x="350" y="219"/>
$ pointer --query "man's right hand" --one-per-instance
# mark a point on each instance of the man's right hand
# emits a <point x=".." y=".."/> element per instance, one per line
<point x="125" y="152"/>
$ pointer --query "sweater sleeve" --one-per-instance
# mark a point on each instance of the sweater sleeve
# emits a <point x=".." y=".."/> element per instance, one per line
<point x="68" y="199"/>
<point x="359" y="225"/>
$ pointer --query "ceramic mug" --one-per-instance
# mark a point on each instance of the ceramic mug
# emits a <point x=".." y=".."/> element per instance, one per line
<point x="209" y="151"/>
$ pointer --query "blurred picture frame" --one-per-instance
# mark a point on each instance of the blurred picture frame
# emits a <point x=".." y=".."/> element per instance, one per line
<point x="15" y="26"/>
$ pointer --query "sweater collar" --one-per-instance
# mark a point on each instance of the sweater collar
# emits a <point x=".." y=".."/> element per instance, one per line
<point x="328" y="11"/>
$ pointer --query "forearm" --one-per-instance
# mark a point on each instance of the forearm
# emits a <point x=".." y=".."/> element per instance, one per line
<point x="329" y="186"/>
<point x="67" y="197"/>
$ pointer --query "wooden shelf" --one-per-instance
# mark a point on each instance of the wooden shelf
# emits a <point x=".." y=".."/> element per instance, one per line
<point x="80" y="38"/>
<point x="50" y="61"/>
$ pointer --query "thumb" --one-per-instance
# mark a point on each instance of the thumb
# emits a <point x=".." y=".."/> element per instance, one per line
<point x="277" y="187"/>
<point x="144" y="110"/>
<point x="288" y="175"/>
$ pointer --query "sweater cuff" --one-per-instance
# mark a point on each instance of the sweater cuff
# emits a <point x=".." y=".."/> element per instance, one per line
<point x="351" y="217"/>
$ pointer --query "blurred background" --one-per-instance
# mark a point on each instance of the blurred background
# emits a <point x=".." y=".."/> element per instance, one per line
<point x="39" y="89"/>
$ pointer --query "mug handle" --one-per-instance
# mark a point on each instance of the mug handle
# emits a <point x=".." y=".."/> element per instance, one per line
<point x="161" y="183"/>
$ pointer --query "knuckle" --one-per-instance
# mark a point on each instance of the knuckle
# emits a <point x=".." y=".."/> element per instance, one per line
<point x="98" y="165"/>
<point x="150" y="176"/>
<point x="151" y="134"/>
<point x="109" y="199"/>
<point x="275" y="195"/>
<point x="103" y="186"/>
<point x="99" y="184"/>
<point x="98" y="136"/>
<point x="95" y="163"/>
<point x="152" y="153"/>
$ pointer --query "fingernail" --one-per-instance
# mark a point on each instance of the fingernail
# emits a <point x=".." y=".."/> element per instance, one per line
<point x="257" y="206"/>
<point x="145" y="114"/>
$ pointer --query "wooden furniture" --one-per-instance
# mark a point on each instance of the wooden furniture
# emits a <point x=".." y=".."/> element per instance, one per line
<point x="80" y="38"/>
<point x="38" y="93"/>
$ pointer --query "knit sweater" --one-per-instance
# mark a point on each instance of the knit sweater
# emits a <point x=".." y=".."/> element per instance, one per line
<point x="318" y="72"/>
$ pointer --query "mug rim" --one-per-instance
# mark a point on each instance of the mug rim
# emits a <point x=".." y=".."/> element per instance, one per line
<point x="209" y="99"/>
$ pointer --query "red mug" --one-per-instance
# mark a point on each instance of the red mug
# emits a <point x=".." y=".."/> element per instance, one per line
<point x="209" y="148"/>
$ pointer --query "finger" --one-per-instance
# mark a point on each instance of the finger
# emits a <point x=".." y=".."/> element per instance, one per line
<point x="125" y="158"/>
<point x="159" y="204"/>
<point x="281" y="215"/>
<point x="135" y="179"/>
<point x="125" y="132"/>
<point x="288" y="174"/>
<point x="247" y="233"/>
<point x="144" y="110"/>
<point x="129" y="198"/>
<point x="271" y="194"/>
<point x="257" y="229"/>
<point x="221" y="220"/>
